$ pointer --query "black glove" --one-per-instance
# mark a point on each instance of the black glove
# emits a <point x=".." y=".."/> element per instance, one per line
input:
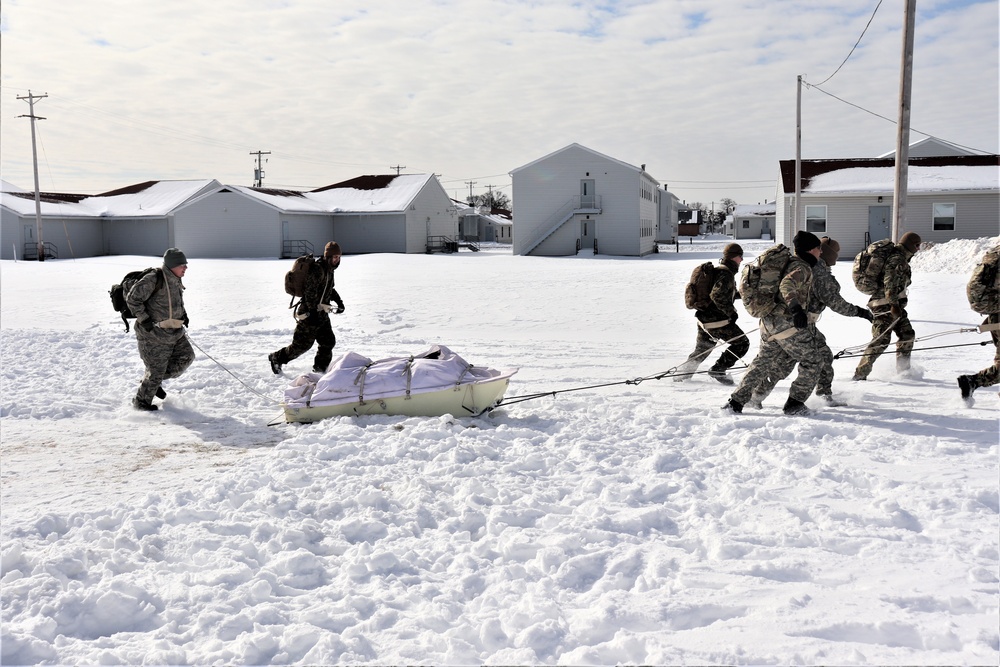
<point x="799" y="317"/>
<point x="896" y="310"/>
<point x="863" y="313"/>
<point x="187" y="322"/>
<point x="340" y="307"/>
<point x="147" y="324"/>
<point x="733" y="318"/>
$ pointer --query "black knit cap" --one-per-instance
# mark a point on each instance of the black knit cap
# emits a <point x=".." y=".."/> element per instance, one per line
<point x="805" y="241"/>
<point x="173" y="258"/>
<point x="732" y="250"/>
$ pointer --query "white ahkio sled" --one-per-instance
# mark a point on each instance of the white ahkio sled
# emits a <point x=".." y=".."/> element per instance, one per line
<point x="430" y="384"/>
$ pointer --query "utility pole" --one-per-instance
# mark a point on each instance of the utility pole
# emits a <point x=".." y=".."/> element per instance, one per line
<point x="903" y="126"/>
<point x="34" y="159"/>
<point x="470" y="184"/>
<point x="489" y="189"/>
<point x="258" y="173"/>
<point x="798" y="156"/>
<point x="398" y="169"/>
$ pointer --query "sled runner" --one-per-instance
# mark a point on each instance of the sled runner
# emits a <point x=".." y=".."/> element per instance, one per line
<point x="430" y="384"/>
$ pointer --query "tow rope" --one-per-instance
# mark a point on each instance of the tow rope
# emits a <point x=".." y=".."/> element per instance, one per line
<point x="852" y="351"/>
<point x="672" y="372"/>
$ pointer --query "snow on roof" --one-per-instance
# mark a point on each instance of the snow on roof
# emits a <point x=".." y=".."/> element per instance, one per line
<point x="157" y="198"/>
<point x="370" y="194"/>
<point x="288" y="201"/>
<point x="759" y="210"/>
<point x="945" y="178"/>
<point x="153" y="198"/>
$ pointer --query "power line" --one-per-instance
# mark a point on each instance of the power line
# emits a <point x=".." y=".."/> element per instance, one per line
<point x="854" y="47"/>
<point x="877" y="115"/>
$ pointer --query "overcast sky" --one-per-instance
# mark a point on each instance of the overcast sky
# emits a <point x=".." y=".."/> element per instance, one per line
<point x="700" y="91"/>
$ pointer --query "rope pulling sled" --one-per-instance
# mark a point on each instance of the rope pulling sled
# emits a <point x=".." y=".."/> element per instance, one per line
<point x="381" y="406"/>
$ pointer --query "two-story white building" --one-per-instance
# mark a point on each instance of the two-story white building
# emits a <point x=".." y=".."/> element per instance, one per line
<point x="578" y="199"/>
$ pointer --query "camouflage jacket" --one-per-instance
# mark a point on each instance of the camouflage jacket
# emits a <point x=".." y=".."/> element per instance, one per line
<point x="895" y="279"/>
<point x="795" y="289"/>
<point x="826" y="292"/>
<point x="723" y="294"/>
<point x="148" y="303"/>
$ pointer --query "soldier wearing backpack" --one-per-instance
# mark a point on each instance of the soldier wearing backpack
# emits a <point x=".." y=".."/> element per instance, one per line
<point x="785" y="335"/>
<point x="712" y="298"/>
<point x="983" y="291"/>
<point x="312" y="314"/>
<point x="888" y="305"/>
<point x="825" y="292"/>
<point x="157" y="301"/>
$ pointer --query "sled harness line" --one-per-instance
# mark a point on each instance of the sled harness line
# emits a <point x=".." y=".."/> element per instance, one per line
<point x="848" y="352"/>
<point x="220" y="365"/>
<point x="672" y="372"/>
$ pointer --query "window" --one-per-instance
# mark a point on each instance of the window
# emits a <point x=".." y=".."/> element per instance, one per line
<point x="816" y="219"/>
<point x="746" y="224"/>
<point x="944" y="217"/>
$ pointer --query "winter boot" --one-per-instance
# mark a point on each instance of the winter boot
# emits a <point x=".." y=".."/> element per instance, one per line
<point x="160" y="394"/>
<point x="684" y="371"/>
<point x="145" y="406"/>
<point x="275" y="366"/>
<point x="732" y="405"/>
<point x="902" y="363"/>
<point x="319" y="369"/>
<point x="720" y="376"/>
<point x="793" y="407"/>
<point x="967" y="386"/>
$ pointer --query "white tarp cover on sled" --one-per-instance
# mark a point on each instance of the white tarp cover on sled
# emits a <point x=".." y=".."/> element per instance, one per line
<point x="354" y="377"/>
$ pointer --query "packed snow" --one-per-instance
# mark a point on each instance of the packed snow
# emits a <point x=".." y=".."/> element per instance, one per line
<point x="606" y="522"/>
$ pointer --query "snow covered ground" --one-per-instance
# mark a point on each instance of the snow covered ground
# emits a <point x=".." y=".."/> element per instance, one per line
<point x="634" y="523"/>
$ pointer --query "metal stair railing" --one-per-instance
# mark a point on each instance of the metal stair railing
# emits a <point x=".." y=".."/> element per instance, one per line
<point x="575" y="205"/>
<point x="295" y="248"/>
<point x="49" y="251"/>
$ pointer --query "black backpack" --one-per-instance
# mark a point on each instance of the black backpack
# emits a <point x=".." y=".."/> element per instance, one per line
<point x="119" y="291"/>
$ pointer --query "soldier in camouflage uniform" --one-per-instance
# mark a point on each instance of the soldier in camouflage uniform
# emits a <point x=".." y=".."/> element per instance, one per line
<point x="983" y="291"/>
<point x="313" y="315"/>
<point x="786" y="335"/>
<point x="718" y="322"/>
<point x="158" y="306"/>
<point x="888" y="307"/>
<point x="825" y="292"/>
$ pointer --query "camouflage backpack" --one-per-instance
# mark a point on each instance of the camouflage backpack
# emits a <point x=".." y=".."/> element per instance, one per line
<point x="698" y="293"/>
<point x="119" y="291"/>
<point x="983" y="289"/>
<point x="869" y="266"/>
<point x="760" y="280"/>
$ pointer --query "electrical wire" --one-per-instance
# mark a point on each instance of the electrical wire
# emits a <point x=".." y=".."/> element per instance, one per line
<point x="877" y="115"/>
<point x="854" y="47"/>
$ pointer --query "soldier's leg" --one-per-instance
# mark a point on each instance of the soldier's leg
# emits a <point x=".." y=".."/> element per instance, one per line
<point x="702" y="348"/>
<point x="904" y="332"/>
<point x="302" y="340"/>
<point x="779" y="371"/>
<point x="156" y="357"/>
<point x="824" y="387"/>
<point x="181" y="357"/>
<point x="805" y="349"/>
<point x="325" y="340"/>
<point x="739" y="345"/>
<point x="880" y="341"/>
<point x="991" y="375"/>
<point x="770" y="360"/>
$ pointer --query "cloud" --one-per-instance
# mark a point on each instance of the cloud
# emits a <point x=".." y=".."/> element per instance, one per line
<point x="699" y="90"/>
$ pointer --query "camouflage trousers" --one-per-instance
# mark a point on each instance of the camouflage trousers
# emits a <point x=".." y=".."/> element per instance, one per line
<point x="882" y="327"/>
<point x="166" y="354"/>
<point x="824" y="386"/>
<point x="739" y="345"/>
<point x="778" y="356"/>
<point x="990" y="375"/>
<point x="314" y="329"/>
